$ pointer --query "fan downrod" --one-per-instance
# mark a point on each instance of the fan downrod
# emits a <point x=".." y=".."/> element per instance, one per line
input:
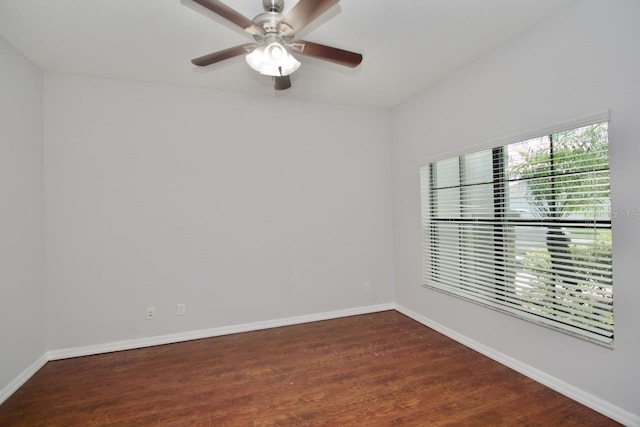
<point x="273" y="5"/>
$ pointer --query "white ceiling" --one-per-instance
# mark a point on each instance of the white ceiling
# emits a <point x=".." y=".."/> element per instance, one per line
<point x="407" y="44"/>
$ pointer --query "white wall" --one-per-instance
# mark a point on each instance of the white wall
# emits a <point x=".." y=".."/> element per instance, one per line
<point x="22" y="291"/>
<point x="579" y="62"/>
<point x="245" y="209"/>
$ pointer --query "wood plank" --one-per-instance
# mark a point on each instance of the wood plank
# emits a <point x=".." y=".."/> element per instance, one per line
<point x="376" y="369"/>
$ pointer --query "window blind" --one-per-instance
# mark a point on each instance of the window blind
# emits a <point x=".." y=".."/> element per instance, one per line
<point x="525" y="228"/>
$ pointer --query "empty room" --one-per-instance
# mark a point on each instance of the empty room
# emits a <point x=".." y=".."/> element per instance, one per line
<point x="319" y="212"/>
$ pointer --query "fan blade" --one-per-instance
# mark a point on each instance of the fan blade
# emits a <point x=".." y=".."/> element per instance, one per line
<point x="281" y="82"/>
<point x="231" y="15"/>
<point x="221" y="55"/>
<point x="302" y="14"/>
<point x="328" y="53"/>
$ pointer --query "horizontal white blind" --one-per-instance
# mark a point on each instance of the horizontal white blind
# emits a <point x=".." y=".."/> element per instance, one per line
<point x="525" y="228"/>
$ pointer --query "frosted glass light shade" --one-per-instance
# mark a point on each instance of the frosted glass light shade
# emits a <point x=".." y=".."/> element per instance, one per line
<point x="272" y="60"/>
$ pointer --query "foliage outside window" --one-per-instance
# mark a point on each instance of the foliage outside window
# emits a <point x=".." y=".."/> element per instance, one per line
<point x="525" y="228"/>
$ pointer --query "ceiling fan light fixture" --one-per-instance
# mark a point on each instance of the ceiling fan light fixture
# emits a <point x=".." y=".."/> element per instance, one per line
<point x="273" y="60"/>
<point x="275" y="39"/>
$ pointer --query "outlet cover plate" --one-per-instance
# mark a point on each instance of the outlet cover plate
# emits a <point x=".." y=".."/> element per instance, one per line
<point x="181" y="309"/>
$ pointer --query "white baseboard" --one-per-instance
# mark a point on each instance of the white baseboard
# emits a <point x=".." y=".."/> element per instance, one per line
<point x="213" y="332"/>
<point x="18" y="381"/>
<point x="606" y="408"/>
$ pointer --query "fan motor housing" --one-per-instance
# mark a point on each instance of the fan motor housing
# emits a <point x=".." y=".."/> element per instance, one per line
<point x="269" y="21"/>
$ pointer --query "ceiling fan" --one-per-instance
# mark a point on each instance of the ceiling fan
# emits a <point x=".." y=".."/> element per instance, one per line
<point x="274" y="35"/>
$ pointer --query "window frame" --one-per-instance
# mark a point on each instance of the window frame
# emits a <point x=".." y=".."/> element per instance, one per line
<point x="428" y="205"/>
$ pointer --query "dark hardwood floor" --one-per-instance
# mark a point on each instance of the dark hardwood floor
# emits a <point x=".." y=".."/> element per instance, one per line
<point x="376" y="369"/>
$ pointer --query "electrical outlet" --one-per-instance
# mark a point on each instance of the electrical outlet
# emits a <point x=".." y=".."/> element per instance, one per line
<point x="181" y="309"/>
<point x="151" y="313"/>
<point x="366" y="287"/>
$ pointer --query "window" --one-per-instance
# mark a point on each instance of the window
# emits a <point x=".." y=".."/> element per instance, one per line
<point x="525" y="228"/>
